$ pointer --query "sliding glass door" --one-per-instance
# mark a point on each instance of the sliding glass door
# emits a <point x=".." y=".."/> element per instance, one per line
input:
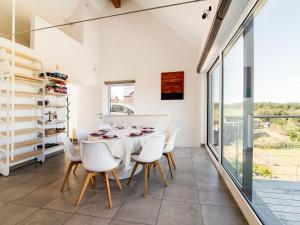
<point x="260" y="111"/>
<point x="233" y="69"/>
<point x="214" y="108"/>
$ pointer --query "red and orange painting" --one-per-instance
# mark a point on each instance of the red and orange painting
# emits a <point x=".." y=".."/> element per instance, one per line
<point x="172" y="85"/>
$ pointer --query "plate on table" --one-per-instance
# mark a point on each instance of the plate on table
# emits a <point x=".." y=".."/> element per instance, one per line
<point x="109" y="136"/>
<point x="104" y="130"/>
<point x="135" y="134"/>
<point x="147" y="128"/>
<point x="96" y="134"/>
<point x="147" y="131"/>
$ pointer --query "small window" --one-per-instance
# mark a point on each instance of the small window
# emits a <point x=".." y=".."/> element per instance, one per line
<point x="121" y="99"/>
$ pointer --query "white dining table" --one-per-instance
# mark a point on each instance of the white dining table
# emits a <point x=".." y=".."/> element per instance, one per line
<point x="123" y="147"/>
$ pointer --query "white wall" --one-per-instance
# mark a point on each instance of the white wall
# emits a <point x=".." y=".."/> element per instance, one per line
<point x="139" y="47"/>
<point x="135" y="47"/>
<point x="58" y="50"/>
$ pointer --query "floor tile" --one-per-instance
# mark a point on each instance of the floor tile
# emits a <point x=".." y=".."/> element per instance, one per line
<point x="183" y="193"/>
<point x="209" y="180"/>
<point x="215" y="196"/>
<point x="17" y="192"/>
<point x="139" y="210"/>
<point x="182" y="153"/>
<point x="118" y="222"/>
<point x="74" y="182"/>
<point x="179" y="213"/>
<point x="46" y="217"/>
<point x="87" y="220"/>
<point x="155" y="190"/>
<point x="35" y="179"/>
<point x="39" y="197"/>
<point x="184" y="178"/>
<point x="11" y="214"/>
<point x="5" y="184"/>
<point x="205" y="168"/>
<point x="212" y="215"/>
<point x="100" y="208"/>
<point x="184" y="165"/>
<point x="66" y="200"/>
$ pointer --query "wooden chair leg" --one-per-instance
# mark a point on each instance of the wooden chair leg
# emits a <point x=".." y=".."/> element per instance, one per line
<point x="76" y="165"/>
<point x="94" y="181"/>
<point x="149" y="170"/>
<point x="108" y="191"/>
<point x="172" y="159"/>
<point x="169" y="163"/>
<point x="86" y="182"/>
<point x="145" y="179"/>
<point x="158" y="166"/>
<point x="133" y="172"/>
<point x="116" y="176"/>
<point x="67" y="176"/>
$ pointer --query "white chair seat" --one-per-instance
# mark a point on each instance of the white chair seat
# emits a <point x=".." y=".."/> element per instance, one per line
<point x="113" y="166"/>
<point x="76" y="156"/>
<point x="135" y="157"/>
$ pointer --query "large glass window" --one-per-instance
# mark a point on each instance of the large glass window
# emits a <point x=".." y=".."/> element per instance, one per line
<point x="233" y="65"/>
<point x="261" y="111"/>
<point x="276" y="150"/>
<point x="214" y="108"/>
<point x="121" y="99"/>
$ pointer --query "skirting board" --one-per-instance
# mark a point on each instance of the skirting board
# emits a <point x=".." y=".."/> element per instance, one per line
<point x="239" y="198"/>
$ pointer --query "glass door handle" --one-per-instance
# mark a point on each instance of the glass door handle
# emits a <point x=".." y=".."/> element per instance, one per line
<point x="250" y="131"/>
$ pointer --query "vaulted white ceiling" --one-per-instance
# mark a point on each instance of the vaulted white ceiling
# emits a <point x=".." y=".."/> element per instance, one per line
<point x="183" y="20"/>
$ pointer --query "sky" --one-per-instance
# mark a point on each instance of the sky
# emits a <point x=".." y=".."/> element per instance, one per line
<point x="276" y="56"/>
<point x="277" y="52"/>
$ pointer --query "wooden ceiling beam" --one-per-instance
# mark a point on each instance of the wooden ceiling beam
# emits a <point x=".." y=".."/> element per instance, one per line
<point x="116" y="3"/>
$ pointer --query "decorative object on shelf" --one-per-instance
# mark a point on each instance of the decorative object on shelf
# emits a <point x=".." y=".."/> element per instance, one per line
<point x="55" y="75"/>
<point x="51" y="116"/>
<point x="68" y="115"/>
<point x="48" y="145"/>
<point x="172" y="85"/>
<point x="41" y="102"/>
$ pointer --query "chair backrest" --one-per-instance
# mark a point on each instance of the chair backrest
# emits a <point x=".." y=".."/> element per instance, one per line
<point x="105" y="126"/>
<point x="81" y="135"/>
<point x="171" y="141"/>
<point x="96" y="156"/>
<point x="69" y="147"/>
<point x="153" y="149"/>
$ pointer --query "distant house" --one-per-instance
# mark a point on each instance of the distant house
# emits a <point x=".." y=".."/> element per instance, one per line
<point x="266" y="124"/>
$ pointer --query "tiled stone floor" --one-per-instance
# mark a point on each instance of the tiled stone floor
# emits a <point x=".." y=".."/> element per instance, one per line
<point x="197" y="195"/>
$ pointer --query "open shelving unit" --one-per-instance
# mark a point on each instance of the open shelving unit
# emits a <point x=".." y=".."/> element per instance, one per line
<point x="57" y="105"/>
<point x="20" y="88"/>
<point x="24" y="122"/>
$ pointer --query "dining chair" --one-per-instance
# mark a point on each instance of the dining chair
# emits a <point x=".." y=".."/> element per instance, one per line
<point x="149" y="156"/>
<point x="81" y="135"/>
<point x="104" y="126"/>
<point x="98" y="160"/>
<point x="169" y="148"/>
<point x="72" y="155"/>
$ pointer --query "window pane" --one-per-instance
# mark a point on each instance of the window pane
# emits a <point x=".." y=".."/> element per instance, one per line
<point x="214" y="112"/>
<point x="276" y="153"/>
<point x="233" y="108"/>
<point x="122" y="99"/>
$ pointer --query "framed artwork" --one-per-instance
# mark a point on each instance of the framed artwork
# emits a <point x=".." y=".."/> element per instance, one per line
<point x="172" y="85"/>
